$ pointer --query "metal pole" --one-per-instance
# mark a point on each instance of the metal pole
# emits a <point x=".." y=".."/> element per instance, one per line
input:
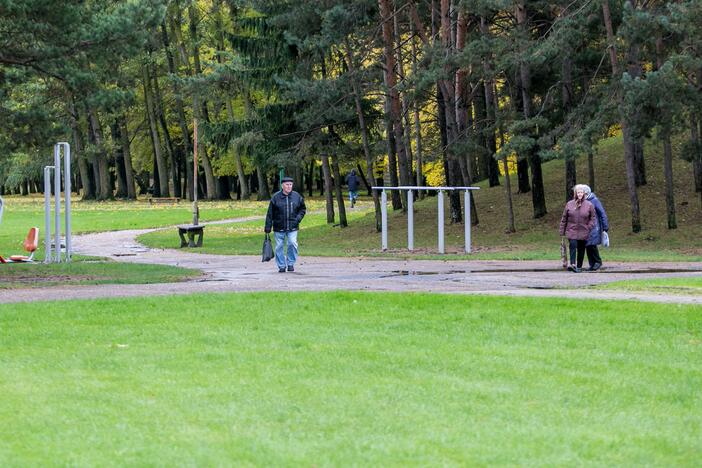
<point x="196" y="211"/>
<point x="384" y="217"/>
<point x="410" y="220"/>
<point x="67" y="196"/>
<point x="466" y="202"/>
<point x="57" y="203"/>
<point x="47" y="214"/>
<point x="441" y="221"/>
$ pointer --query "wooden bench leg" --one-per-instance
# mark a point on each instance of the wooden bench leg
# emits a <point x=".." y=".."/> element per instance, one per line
<point x="183" y="242"/>
<point x="199" y="238"/>
<point x="191" y="239"/>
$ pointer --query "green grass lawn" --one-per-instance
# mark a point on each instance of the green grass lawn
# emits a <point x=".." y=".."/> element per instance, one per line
<point x="319" y="379"/>
<point x="686" y="285"/>
<point x="19" y="275"/>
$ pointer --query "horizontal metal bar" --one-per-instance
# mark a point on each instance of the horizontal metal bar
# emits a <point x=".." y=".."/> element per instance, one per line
<point x="424" y="188"/>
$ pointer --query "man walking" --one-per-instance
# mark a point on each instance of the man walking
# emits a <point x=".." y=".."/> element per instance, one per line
<point x="352" y="181"/>
<point x="285" y="211"/>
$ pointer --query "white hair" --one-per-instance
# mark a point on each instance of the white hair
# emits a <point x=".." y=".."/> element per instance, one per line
<point x="585" y="188"/>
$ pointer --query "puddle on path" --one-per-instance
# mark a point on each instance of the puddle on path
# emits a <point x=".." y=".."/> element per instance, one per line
<point x="534" y="270"/>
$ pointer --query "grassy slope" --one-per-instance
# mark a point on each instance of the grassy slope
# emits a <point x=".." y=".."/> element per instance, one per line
<point x="534" y="239"/>
<point x="349" y="379"/>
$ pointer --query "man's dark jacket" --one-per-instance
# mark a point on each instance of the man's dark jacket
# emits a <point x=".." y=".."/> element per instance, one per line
<point x="285" y="212"/>
<point x="352" y="181"/>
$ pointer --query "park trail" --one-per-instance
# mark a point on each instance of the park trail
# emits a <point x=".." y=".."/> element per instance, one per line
<point x="237" y="273"/>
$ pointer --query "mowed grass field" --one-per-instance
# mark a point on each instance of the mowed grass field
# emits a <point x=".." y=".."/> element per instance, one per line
<point x="343" y="379"/>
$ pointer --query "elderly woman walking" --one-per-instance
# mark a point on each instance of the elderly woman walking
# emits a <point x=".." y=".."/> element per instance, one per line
<point x="601" y="225"/>
<point x="578" y="219"/>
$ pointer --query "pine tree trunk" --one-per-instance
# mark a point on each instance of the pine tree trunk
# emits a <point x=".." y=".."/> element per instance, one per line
<point x="393" y="98"/>
<point x="591" y="169"/>
<point x="570" y="177"/>
<point x="695" y="137"/>
<point x="667" y="150"/>
<point x="626" y="132"/>
<point x="241" y="175"/>
<point x="310" y="179"/>
<point x="404" y="119"/>
<point x="121" y="191"/>
<point x="127" y="155"/>
<point x="523" y="185"/>
<point x="452" y="171"/>
<point x="448" y="92"/>
<point x="392" y="164"/>
<point x="202" y="107"/>
<point x="639" y="162"/>
<point x="668" y="174"/>
<point x="567" y="98"/>
<point x="350" y="63"/>
<point x="337" y="188"/>
<point x="180" y="113"/>
<point x="264" y="192"/>
<point x="463" y="104"/>
<point x="155" y="139"/>
<point x="105" y="188"/>
<point x="417" y="123"/>
<point x="77" y="150"/>
<point x="508" y="194"/>
<point x="170" y="148"/>
<point x="538" y="196"/>
<point x="328" y="188"/>
<point x="490" y="112"/>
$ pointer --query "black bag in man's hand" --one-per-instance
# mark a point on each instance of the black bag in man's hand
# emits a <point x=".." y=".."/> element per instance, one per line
<point x="267" y="252"/>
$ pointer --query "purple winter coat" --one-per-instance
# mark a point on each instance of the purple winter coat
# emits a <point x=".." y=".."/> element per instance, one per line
<point x="578" y="221"/>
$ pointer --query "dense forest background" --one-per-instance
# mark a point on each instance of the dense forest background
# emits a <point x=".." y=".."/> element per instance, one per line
<point x="431" y="92"/>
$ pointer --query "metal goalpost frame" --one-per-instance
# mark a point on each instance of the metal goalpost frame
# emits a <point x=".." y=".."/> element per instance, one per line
<point x="56" y="257"/>
<point x="410" y="214"/>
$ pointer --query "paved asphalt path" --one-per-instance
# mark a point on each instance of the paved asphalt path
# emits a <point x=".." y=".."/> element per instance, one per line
<point x="230" y="273"/>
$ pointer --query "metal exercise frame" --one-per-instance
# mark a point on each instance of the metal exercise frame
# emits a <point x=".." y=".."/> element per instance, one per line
<point x="410" y="214"/>
<point x="56" y="257"/>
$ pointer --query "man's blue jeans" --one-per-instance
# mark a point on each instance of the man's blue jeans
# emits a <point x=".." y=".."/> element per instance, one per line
<point x="279" y="248"/>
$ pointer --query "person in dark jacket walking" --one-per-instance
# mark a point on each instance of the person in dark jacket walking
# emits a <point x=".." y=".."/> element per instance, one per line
<point x="601" y="225"/>
<point x="576" y="223"/>
<point x="285" y="211"/>
<point x="353" y="183"/>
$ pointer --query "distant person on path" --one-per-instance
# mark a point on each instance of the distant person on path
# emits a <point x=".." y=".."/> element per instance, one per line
<point x="578" y="219"/>
<point x="353" y="183"/>
<point x="285" y="211"/>
<point x="601" y="225"/>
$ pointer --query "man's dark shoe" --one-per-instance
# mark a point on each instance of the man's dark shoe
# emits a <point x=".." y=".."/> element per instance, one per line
<point x="291" y="268"/>
<point x="596" y="267"/>
<point x="281" y="270"/>
<point x="572" y="268"/>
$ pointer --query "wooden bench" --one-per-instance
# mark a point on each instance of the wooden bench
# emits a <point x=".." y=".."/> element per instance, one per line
<point x="163" y="200"/>
<point x="191" y="230"/>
